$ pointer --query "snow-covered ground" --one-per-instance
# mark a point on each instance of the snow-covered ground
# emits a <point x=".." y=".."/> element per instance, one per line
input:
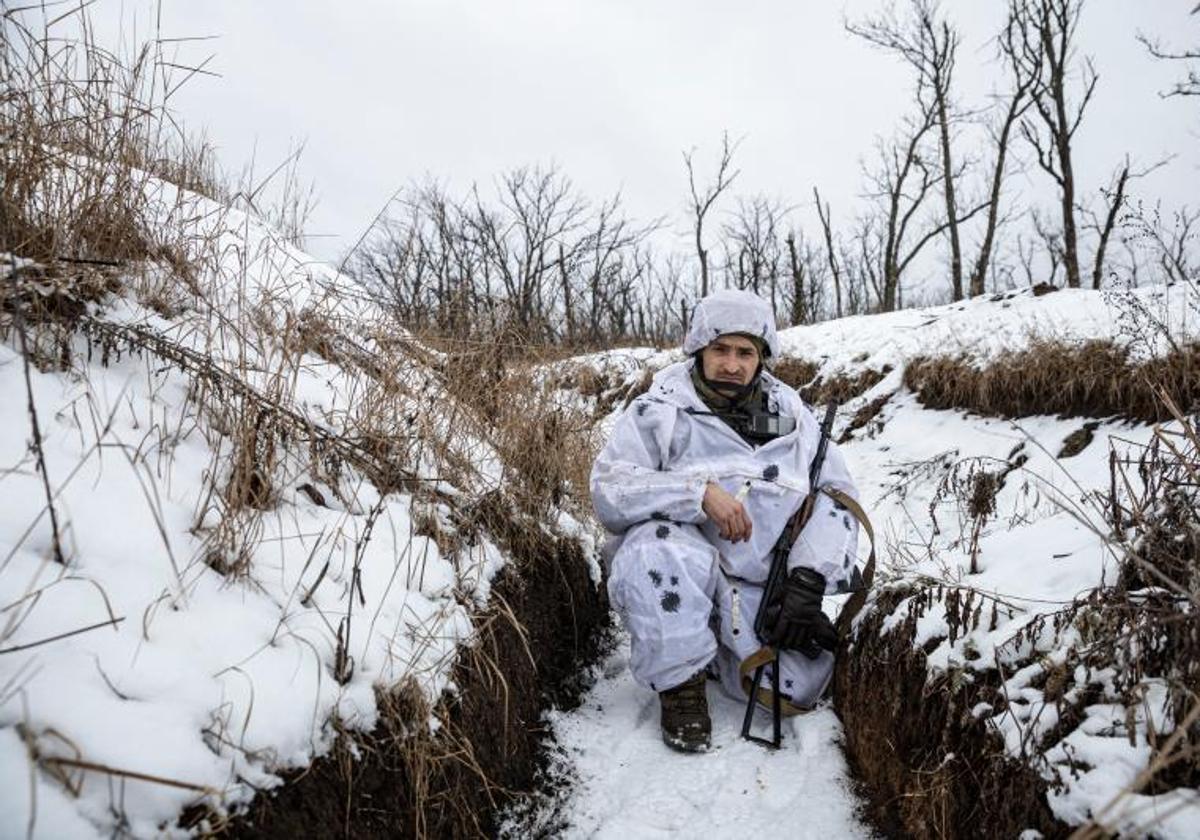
<point x="217" y="627"/>
<point x="1042" y="547"/>
<point x="979" y="329"/>
<point x="626" y="783"/>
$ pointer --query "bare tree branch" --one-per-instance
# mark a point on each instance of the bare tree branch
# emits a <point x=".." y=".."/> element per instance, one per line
<point x="1043" y="35"/>
<point x="703" y="200"/>
<point x="1190" y="86"/>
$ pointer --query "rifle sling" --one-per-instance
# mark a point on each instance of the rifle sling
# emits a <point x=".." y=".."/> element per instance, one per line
<point x="767" y="654"/>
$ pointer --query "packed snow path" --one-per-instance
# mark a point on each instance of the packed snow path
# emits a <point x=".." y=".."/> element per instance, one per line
<point x="628" y="783"/>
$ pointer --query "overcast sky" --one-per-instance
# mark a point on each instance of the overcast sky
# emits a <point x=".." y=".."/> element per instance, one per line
<point x="384" y="92"/>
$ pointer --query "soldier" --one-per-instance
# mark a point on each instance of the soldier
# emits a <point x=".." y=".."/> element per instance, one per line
<point x="697" y="483"/>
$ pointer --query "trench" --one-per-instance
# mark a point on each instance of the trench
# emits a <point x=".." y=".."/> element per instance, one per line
<point x="925" y="765"/>
<point x="546" y="621"/>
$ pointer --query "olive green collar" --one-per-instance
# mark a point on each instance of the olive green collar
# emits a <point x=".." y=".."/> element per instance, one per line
<point x="718" y="402"/>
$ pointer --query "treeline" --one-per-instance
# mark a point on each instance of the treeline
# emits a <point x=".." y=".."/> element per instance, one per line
<point x="542" y="262"/>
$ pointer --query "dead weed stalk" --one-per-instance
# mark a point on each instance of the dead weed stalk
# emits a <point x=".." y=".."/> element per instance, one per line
<point x="87" y="136"/>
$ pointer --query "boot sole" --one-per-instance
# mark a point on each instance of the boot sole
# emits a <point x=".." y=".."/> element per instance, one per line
<point x="680" y="745"/>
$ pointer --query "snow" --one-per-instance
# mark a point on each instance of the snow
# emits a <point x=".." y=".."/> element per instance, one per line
<point x="197" y="685"/>
<point x="626" y="783"/>
<point x="986" y="326"/>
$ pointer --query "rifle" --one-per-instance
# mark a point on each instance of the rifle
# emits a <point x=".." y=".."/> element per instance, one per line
<point x="775" y="578"/>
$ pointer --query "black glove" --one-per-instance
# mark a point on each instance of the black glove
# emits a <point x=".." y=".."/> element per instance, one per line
<point x="794" y="620"/>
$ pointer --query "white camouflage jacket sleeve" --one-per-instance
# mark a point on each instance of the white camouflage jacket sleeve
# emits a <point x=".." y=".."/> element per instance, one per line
<point x="631" y="481"/>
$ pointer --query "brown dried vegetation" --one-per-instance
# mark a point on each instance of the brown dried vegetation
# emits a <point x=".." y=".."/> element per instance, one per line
<point x="866" y="412"/>
<point x="546" y="449"/>
<point x="1091" y="379"/>
<point x="931" y="769"/>
<point x="86" y="138"/>
<point x="803" y="375"/>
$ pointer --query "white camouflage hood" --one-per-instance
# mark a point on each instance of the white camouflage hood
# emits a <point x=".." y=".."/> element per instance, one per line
<point x="732" y="311"/>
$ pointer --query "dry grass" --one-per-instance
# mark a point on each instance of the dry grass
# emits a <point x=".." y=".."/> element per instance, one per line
<point x="930" y="767"/>
<point x="86" y="138"/>
<point x="1092" y="379"/>
<point x="796" y="372"/>
<point x="546" y="449"/>
<point x="863" y="417"/>
<point x="803" y="375"/>
<point x="407" y="423"/>
<point x="404" y="779"/>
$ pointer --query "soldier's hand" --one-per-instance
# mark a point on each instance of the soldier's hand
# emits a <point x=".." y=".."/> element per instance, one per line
<point x="794" y="621"/>
<point x="727" y="513"/>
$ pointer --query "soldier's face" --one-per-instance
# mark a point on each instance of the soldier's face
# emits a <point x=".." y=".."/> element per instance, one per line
<point x="730" y="358"/>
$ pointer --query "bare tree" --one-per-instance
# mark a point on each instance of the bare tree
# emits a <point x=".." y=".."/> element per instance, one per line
<point x="1115" y="198"/>
<point x="830" y="252"/>
<point x="899" y="184"/>
<point x="542" y="209"/>
<point x="1043" y="49"/>
<point x="1025" y="256"/>
<point x="753" y="235"/>
<point x="1051" y="239"/>
<point x="798" y="312"/>
<point x="927" y="42"/>
<point x="665" y="299"/>
<point x="862" y="260"/>
<point x="540" y="259"/>
<point x="416" y="255"/>
<point x="1170" y="242"/>
<point x="1017" y="102"/>
<point x="612" y="264"/>
<point x="703" y="200"/>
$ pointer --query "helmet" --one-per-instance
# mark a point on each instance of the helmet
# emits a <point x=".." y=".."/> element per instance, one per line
<point x="732" y="311"/>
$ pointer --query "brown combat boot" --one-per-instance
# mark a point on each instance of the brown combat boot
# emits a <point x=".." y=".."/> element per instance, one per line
<point x="685" y="723"/>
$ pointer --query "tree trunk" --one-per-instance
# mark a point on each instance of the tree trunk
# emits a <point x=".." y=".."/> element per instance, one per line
<point x="826" y="226"/>
<point x="956" y="271"/>
<point x="1070" y="236"/>
<point x="891" y="282"/>
<point x="798" y="314"/>
<point x="1109" y="222"/>
<point x="566" y="290"/>
<point x="984" y="259"/>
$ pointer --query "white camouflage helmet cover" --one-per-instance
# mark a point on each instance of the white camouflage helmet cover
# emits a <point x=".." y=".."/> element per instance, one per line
<point x="732" y="311"/>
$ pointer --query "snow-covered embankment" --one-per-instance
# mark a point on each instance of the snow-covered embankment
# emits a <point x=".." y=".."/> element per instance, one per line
<point x="259" y="528"/>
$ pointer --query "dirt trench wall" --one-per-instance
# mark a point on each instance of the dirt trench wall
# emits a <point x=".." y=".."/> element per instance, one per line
<point x="403" y="781"/>
<point x="928" y="767"/>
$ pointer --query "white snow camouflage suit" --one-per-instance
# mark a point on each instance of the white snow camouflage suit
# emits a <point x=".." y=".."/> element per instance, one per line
<point x="687" y="596"/>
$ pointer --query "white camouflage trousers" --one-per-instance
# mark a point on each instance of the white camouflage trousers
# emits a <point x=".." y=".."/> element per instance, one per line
<point x="683" y="614"/>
